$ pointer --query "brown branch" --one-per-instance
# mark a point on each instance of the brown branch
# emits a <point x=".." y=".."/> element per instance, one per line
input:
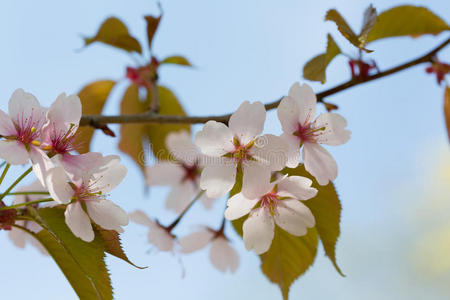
<point x="152" y="117"/>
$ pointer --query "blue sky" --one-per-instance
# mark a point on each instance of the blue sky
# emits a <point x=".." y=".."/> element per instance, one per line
<point x="252" y="50"/>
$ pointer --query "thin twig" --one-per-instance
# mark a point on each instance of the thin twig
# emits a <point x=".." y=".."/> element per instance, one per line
<point x="153" y="117"/>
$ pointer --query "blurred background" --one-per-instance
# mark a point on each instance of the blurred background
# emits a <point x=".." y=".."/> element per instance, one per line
<point x="394" y="174"/>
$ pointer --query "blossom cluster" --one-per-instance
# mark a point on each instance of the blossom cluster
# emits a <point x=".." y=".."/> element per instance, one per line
<point x="81" y="182"/>
<point x="221" y="152"/>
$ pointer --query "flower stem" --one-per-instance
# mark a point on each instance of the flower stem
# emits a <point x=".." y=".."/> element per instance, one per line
<point x="28" y="193"/>
<point x="177" y="220"/>
<point x="28" y="171"/>
<point x="26" y="203"/>
<point x="5" y="170"/>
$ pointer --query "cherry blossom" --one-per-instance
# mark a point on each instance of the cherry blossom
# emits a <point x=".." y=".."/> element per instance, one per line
<point x="222" y="256"/>
<point x="158" y="235"/>
<point x="182" y="173"/>
<point x="296" y="112"/>
<point x="239" y="145"/>
<point x="87" y="196"/>
<point x="278" y="204"/>
<point x="19" y="237"/>
<point x="21" y="130"/>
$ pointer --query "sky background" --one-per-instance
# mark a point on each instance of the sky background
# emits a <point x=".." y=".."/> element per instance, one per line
<point x="393" y="173"/>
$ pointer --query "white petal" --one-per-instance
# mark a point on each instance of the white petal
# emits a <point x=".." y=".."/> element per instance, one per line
<point x="293" y="154"/>
<point x="78" y="222"/>
<point x="6" y="125"/>
<point x="218" y="178"/>
<point x="238" y="206"/>
<point x="164" y="173"/>
<point x="196" y="241"/>
<point x="319" y="163"/>
<point x="288" y="113"/>
<point x="107" y="214"/>
<point x="256" y="179"/>
<point x="13" y="152"/>
<point x="306" y="99"/>
<point x="159" y="237"/>
<point x="110" y="175"/>
<point x="271" y="151"/>
<point x="41" y="164"/>
<point x="182" y="148"/>
<point x="223" y="257"/>
<point x="247" y="122"/>
<point x="58" y="187"/>
<point x="294" y="217"/>
<point x="180" y="196"/>
<point x="335" y="132"/>
<point x="140" y="217"/>
<point x="258" y="231"/>
<point x="66" y="110"/>
<point x="215" y="139"/>
<point x="23" y="105"/>
<point x="297" y="186"/>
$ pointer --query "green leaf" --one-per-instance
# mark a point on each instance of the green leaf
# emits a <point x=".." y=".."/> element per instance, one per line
<point x="157" y="133"/>
<point x="315" y="69"/>
<point x="93" y="97"/>
<point x="406" y="20"/>
<point x="369" y="20"/>
<point x="113" y="32"/>
<point x="345" y="29"/>
<point x="113" y="244"/>
<point x="288" y="257"/>
<point x="131" y="135"/>
<point x="152" y="26"/>
<point x="177" y="60"/>
<point x="82" y="263"/>
<point x="326" y="209"/>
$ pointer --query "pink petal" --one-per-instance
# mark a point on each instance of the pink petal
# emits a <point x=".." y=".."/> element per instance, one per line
<point x="77" y="165"/>
<point x="140" y="217"/>
<point x="66" y="110"/>
<point x="270" y="151"/>
<point x="306" y="101"/>
<point x="218" y="178"/>
<point x="294" y="217"/>
<point x="182" y="148"/>
<point x="41" y="164"/>
<point x="107" y="214"/>
<point x="6" y="125"/>
<point x="247" y="122"/>
<point x="293" y="153"/>
<point x="297" y="186"/>
<point x="238" y="206"/>
<point x="319" y="163"/>
<point x="13" y="152"/>
<point x="164" y="173"/>
<point x="58" y="187"/>
<point x="196" y="241"/>
<point x="223" y="257"/>
<point x="109" y="174"/>
<point x="335" y="132"/>
<point x="256" y="179"/>
<point x="78" y="222"/>
<point x="258" y="231"/>
<point x="288" y="113"/>
<point x="180" y="196"/>
<point x="215" y="139"/>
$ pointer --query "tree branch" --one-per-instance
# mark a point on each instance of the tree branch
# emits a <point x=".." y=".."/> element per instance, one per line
<point x="152" y="117"/>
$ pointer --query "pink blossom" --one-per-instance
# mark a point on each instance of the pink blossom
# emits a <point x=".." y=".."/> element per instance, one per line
<point x="296" y="113"/>
<point x="239" y="145"/>
<point x="279" y="204"/>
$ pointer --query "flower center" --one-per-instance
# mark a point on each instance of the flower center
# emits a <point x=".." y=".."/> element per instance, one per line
<point x="27" y="130"/>
<point x="191" y="173"/>
<point x="270" y="201"/>
<point x="63" y="142"/>
<point x="241" y="152"/>
<point x="308" y="133"/>
<point x="85" y="193"/>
